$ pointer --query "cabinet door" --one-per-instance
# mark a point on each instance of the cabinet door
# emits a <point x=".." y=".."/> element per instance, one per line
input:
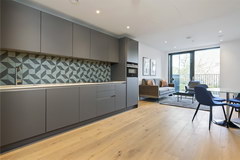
<point x="132" y="51"/>
<point x="56" y="35"/>
<point x="113" y="52"/>
<point x="99" y="46"/>
<point x="105" y="99"/>
<point x="132" y="91"/>
<point x="22" y="115"/>
<point x="20" y="27"/>
<point x="81" y="41"/>
<point x="88" y="108"/>
<point x="62" y="107"/>
<point x="120" y="100"/>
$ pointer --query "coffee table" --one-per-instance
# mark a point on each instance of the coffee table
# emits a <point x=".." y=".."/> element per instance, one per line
<point x="182" y="93"/>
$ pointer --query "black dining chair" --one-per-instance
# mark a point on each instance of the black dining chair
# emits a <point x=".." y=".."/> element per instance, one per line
<point x="204" y="98"/>
<point x="214" y="98"/>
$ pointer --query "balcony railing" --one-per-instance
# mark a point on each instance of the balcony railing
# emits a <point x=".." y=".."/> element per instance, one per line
<point x="212" y="80"/>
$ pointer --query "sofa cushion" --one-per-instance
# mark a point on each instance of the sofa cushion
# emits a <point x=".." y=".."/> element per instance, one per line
<point x="158" y="82"/>
<point x="164" y="83"/>
<point x="150" y="82"/>
<point x="166" y="90"/>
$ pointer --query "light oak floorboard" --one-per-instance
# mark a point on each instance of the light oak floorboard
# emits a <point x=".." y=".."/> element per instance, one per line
<point x="150" y="132"/>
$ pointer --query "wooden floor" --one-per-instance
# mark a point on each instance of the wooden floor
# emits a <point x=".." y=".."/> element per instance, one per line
<point x="150" y="132"/>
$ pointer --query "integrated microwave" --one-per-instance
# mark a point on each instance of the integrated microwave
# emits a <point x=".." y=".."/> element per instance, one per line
<point x="132" y="69"/>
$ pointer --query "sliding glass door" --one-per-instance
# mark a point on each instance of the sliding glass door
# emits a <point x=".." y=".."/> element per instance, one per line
<point x="199" y="65"/>
<point x="180" y="70"/>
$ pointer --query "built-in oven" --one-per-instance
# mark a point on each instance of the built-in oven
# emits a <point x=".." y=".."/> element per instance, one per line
<point x="132" y="69"/>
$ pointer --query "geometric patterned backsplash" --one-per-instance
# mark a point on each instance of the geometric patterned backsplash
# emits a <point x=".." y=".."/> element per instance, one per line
<point x="42" y="69"/>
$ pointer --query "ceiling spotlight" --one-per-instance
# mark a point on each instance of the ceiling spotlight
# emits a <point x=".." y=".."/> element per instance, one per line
<point x="74" y="1"/>
<point x="220" y="31"/>
<point x="128" y="27"/>
<point x="165" y="42"/>
<point x="174" y="47"/>
<point x="221" y="40"/>
<point x="98" y="11"/>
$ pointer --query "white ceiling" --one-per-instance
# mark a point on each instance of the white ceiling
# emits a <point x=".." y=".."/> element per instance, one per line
<point x="154" y="21"/>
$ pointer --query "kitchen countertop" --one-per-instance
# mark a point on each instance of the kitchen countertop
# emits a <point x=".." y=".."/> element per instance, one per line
<point x="32" y="86"/>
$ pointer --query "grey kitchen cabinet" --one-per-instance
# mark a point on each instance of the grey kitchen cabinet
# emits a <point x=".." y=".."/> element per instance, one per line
<point x="22" y="115"/>
<point x="88" y="103"/>
<point x="113" y="52"/>
<point x="62" y="107"/>
<point x="20" y="27"/>
<point x="132" y="91"/>
<point x="99" y="46"/>
<point x="56" y="35"/>
<point x="81" y="41"/>
<point x="120" y="100"/>
<point x="132" y="51"/>
<point x="105" y="99"/>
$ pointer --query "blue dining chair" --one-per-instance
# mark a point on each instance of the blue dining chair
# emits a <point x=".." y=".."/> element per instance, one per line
<point x="204" y="98"/>
<point x="234" y="106"/>
<point x="214" y="98"/>
<point x="235" y="100"/>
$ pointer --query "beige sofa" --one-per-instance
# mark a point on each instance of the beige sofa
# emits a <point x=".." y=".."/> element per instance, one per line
<point x="155" y="90"/>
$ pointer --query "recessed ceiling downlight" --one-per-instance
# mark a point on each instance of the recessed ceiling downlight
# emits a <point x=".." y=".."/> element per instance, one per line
<point x="98" y="11"/>
<point x="128" y="27"/>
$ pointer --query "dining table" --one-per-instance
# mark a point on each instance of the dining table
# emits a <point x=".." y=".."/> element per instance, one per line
<point x="235" y="123"/>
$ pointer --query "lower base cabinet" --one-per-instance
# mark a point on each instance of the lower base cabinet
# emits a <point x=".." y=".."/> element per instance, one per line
<point x="28" y="113"/>
<point x="62" y="107"/>
<point x="22" y="115"/>
<point x="120" y="99"/>
<point x="88" y="103"/>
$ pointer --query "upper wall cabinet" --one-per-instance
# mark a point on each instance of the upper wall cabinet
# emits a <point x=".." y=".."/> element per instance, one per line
<point x="56" y="35"/>
<point x="20" y="27"/>
<point x="81" y="41"/>
<point x="104" y="47"/>
<point x="99" y="46"/>
<point x="113" y="52"/>
<point x="132" y="51"/>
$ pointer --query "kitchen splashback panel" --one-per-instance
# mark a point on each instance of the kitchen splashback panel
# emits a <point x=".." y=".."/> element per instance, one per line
<point x="41" y="69"/>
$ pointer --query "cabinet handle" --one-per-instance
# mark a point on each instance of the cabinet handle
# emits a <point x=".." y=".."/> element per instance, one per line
<point x="113" y="96"/>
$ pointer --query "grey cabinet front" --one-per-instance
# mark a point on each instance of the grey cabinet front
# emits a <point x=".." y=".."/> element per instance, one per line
<point x="105" y="99"/>
<point x="22" y="115"/>
<point x="62" y="107"/>
<point x="132" y="91"/>
<point x="99" y="46"/>
<point x="56" y="35"/>
<point x="88" y="103"/>
<point x="81" y="41"/>
<point x="132" y="51"/>
<point x="113" y="52"/>
<point x="120" y="100"/>
<point x="20" y="27"/>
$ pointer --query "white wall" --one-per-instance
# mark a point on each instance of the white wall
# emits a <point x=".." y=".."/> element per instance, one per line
<point x="230" y="65"/>
<point x="161" y="60"/>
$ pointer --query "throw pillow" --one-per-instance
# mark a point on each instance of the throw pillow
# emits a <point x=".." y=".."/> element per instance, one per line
<point x="164" y="83"/>
<point x="149" y="82"/>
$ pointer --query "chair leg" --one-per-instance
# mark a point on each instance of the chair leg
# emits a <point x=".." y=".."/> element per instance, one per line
<point x="196" y="111"/>
<point x="224" y="112"/>
<point x="230" y="116"/>
<point x="210" y="117"/>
